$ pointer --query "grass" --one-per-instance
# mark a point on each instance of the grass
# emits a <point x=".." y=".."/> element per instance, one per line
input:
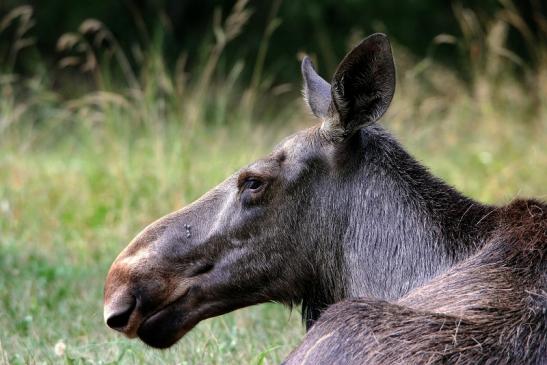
<point x="71" y="204"/>
<point x="80" y="176"/>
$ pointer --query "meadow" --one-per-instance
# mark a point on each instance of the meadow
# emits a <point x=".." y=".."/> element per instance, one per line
<point x="82" y="172"/>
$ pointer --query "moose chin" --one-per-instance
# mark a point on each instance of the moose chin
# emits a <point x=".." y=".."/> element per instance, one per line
<point x="390" y="264"/>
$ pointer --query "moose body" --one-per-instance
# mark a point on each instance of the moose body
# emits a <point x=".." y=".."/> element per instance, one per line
<point x="340" y="213"/>
<point x="490" y="308"/>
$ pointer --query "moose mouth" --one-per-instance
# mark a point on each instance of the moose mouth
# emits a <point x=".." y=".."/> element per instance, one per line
<point x="165" y="327"/>
<point x="168" y="324"/>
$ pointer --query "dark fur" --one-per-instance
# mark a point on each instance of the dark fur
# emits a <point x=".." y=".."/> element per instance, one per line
<point x="402" y="225"/>
<point x="489" y="309"/>
<point x="343" y="211"/>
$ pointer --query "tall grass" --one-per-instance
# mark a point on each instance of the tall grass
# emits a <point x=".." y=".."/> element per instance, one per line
<point x="82" y="171"/>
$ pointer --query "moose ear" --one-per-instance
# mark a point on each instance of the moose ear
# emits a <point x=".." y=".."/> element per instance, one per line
<point x="362" y="87"/>
<point x="316" y="90"/>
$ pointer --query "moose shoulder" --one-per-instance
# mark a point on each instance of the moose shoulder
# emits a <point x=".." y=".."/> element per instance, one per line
<point x="341" y="211"/>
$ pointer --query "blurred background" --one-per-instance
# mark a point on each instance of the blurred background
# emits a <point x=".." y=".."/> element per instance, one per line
<point x="113" y="114"/>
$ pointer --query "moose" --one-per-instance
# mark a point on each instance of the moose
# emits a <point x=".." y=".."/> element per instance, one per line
<point x="390" y="264"/>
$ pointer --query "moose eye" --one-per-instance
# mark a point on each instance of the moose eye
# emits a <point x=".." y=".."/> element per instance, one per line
<point x="252" y="184"/>
<point x="251" y="189"/>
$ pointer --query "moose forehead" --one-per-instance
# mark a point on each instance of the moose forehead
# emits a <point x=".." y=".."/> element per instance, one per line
<point x="297" y="149"/>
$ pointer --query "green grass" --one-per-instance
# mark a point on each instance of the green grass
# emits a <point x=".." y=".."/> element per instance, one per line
<point x="72" y="203"/>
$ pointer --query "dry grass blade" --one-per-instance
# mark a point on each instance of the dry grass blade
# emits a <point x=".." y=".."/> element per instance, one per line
<point x="236" y="20"/>
<point x="70" y="61"/>
<point x="23" y="12"/>
<point x="90" y="26"/>
<point x="103" y="40"/>
<point x="445" y="39"/>
<point x="25" y="22"/>
<point x="99" y="99"/>
<point x="67" y="41"/>
<point x="233" y="25"/>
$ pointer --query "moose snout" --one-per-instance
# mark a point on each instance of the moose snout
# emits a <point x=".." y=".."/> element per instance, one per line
<point x="137" y="287"/>
<point x="159" y="273"/>
<point x="122" y="307"/>
<point x="121" y="313"/>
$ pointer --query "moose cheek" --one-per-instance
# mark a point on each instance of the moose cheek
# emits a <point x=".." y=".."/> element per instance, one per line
<point x="246" y="199"/>
<point x="250" y="198"/>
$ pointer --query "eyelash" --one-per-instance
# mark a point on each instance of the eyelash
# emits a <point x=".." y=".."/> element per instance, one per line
<point x="252" y="183"/>
<point x="251" y="189"/>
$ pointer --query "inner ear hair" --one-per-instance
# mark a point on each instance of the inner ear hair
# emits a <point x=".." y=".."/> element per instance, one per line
<point x="362" y="87"/>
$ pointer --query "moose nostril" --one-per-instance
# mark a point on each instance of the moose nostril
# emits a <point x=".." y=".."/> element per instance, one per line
<point x="120" y="318"/>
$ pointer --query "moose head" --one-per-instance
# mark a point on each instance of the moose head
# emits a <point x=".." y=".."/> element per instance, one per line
<point x="273" y="231"/>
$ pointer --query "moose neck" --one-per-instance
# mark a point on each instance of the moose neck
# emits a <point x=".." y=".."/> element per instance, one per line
<point x="401" y="226"/>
